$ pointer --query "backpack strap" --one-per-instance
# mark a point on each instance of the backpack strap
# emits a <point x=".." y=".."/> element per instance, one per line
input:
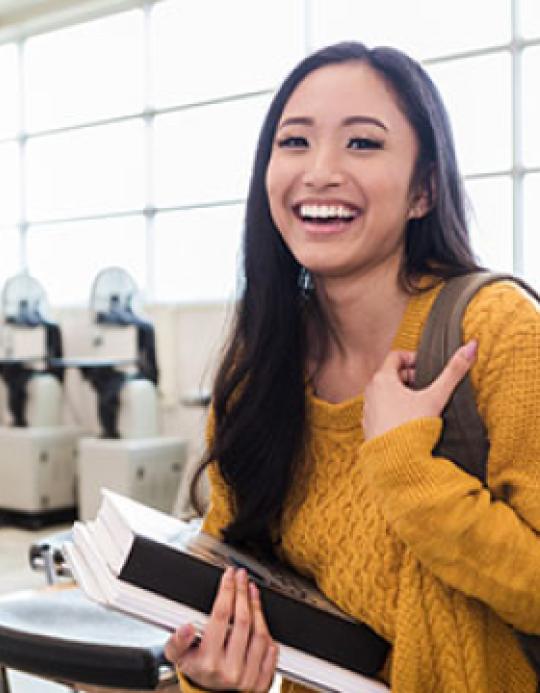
<point x="464" y="438"/>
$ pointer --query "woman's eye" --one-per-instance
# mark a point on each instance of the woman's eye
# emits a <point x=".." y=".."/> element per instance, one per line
<point x="363" y="143"/>
<point x="293" y="142"/>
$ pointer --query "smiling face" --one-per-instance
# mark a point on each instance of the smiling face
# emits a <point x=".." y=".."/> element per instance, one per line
<point x="339" y="176"/>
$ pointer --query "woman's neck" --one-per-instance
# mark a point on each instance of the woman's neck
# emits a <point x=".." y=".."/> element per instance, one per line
<point x="365" y="316"/>
<point x="365" y="313"/>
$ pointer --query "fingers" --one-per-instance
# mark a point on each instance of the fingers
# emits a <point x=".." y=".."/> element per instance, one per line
<point x="268" y="670"/>
<point x="454" y="372"/>
<point x="240" y="634"/>
<point x="398" y="361"/>
<point x="236" y="651"/>
<point x="216" y="632"/>
<point x="409" y="376"/>
<point x="262" y="653"/>
<point x="398" y="367"/>
<point x="179" y="643"/>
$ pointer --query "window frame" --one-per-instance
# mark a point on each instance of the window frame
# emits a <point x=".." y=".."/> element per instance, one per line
<point x="517" y="171"/>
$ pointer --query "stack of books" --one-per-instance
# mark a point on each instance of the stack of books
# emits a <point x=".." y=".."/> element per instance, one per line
<point x="157" y="568"/>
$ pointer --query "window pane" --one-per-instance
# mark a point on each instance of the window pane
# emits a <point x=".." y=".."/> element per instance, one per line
<point x="529" y="15"/>
<point x="10" y="257"/>
<point x="88" y="171"/>
<point x="9" y="183"/>
<point x="422" y="28"/>
<point x="9" y="113"/>
<point x="490" y="221"/>
<point x="531" y="107"/>
<point x="207" y="48"/>
<point x="85" y="72"/>
<point x="204" y="154"/>
<point x="476" y="92"/>
<point x="532" y="229"/>
<point x="196" y="254"/>
<point x="66" y="258"/>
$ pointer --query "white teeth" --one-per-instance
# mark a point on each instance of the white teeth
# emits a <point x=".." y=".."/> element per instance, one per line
<point x="326" y="212"/>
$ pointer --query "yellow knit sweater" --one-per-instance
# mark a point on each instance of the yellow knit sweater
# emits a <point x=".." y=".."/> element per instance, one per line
<point x="411" y="544"/>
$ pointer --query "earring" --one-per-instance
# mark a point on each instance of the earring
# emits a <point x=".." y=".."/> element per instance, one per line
<point x="413" y="212"/>
<point x="305" y="282"/>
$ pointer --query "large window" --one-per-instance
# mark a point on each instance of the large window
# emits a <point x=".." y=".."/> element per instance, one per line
<point x="129" y="139"/>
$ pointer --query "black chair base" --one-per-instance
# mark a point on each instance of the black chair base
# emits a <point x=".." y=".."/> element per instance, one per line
<point x="37" y="519"/>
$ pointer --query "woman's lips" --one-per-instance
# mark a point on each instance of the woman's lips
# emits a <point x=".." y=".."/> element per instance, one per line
<point x="325" y="227"/>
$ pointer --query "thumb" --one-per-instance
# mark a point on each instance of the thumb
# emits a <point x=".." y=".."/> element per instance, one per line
<point x="179" y="643"/>
<point x="454" y="372"/>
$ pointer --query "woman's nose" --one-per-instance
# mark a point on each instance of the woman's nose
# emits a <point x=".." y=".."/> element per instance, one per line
<point x="322" y="171"/>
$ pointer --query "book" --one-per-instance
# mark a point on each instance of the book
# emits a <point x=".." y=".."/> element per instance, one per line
<point x="155" y="567"/>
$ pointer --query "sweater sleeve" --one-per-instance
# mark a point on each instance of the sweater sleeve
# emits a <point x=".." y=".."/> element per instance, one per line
<point x="482" y="541"/>
<point x="186" y="686"/>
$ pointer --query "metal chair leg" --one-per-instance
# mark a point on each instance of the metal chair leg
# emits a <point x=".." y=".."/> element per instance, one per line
<point x="4" y="683"/>
<point x="48" y="564"/>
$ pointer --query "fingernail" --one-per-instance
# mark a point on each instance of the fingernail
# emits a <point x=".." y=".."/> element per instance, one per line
<point x="469" y="350"/>
<point x="241" y="576"/>
<point x="228" y="574"/>
<point x="253" y="590"/>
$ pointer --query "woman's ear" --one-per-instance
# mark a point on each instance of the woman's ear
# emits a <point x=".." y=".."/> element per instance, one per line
<point x="424" y="197"/>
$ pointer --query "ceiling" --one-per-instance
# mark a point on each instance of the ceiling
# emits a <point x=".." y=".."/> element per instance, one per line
<point x="10" y="6"/>
<point x="18" y="17"/>
<point x="14" y="12"/>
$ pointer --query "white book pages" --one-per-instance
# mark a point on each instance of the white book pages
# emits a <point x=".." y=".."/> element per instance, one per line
<point x="83" y="576"/>
<point x="116" y="524"/>
<point x="113" y="554"/>
<point x="128" y="516"/>
<point x="293" y="664"/>
<point x="83" y="540"/>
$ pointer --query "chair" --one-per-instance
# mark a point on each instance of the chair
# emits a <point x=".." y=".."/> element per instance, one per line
<point x="58" y="634"/>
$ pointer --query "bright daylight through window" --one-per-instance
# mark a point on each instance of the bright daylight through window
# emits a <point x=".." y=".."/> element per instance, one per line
<point x="139" y="153"/>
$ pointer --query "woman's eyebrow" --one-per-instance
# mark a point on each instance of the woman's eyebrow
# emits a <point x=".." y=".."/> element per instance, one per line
<point x="297" y="120"/>
<point x="353" y="120"/>
<point x="350" y="120"/>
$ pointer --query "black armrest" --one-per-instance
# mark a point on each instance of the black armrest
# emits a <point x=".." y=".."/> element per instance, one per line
<point x="60" y="635"/>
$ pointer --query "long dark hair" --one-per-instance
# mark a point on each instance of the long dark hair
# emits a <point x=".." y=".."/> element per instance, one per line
<point x="259" y="397"/>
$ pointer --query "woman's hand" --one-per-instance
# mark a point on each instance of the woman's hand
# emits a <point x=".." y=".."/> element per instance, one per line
<point x="236" y="650"/>
<point x="390" y="402"/>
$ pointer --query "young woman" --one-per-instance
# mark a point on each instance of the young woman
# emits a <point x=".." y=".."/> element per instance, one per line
<point x="319" y="449"/>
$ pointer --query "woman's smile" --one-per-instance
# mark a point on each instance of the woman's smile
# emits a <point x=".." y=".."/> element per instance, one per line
<point x="322" y="217"/>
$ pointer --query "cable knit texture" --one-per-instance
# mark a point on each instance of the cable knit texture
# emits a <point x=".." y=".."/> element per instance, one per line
<point x="412" y="545"/>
